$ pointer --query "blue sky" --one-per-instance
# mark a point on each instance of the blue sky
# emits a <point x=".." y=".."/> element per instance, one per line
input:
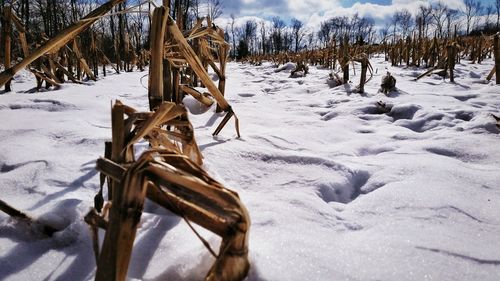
<point x="313" y="12"/>
<point x="285" y="7"/>
<point x="349" y="3"/>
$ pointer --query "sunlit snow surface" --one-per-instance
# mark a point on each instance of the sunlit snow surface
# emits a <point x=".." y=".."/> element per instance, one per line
<point x="336" y="189"/>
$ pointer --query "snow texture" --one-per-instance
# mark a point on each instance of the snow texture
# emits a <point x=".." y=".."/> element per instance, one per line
<point x="337" y="187"/>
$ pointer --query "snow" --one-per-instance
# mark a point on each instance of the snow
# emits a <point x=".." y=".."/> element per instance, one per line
<point x="336" y="188"/>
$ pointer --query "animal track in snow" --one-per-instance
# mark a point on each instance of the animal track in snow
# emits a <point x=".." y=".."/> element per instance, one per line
<point x="461" y="155"/>
<point x="463" y="115"/>
<point x="5" y="168"/>
<point x="41" y="104"/>
<point x="331" y="181"/>
<point x="344" y="191"/>
<point x="246" y="95"/>
<point x="403" y="111"/>
<point x="424" y="123"/>
<point x="465" y="97"/>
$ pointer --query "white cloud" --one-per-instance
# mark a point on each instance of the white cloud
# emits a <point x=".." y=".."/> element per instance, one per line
<point x="313" y="12"/>
<point x="378" y="12"/>
<point x="304" y="9"/>
<point x="225" y="22"/>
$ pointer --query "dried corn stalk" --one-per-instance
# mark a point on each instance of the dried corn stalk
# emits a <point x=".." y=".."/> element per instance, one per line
<point x="182" y="58"/>
<point x="16" y="214"/>
<point x="61" y="39"/>
<point x="152" y="126"/>
<point x="365" y="66"/>
<point x="166" y="175"/>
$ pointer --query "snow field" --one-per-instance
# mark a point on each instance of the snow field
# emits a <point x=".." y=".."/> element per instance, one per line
<point x="336" y="188"/>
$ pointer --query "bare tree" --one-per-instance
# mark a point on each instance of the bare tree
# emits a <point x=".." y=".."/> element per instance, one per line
<point x="277" y="34"/>
<point x="197" y="13"/>
<point x="288" y="39"/>
<point x="298" y="32"/>
<point x="310" y="41"/>
<point x="497" y="8"/>
<point x="263" y="37"/>
<point x="425" y="15"/>
<point x="233" y="35"/>
<point x="439" y="16"/>
<point x="471" y="11"/>
<point x="214" y="8"/>
<point x="362" y="28"/>
<point x="324" y="33"/>
<point x="249" y="31"/>
<point x="488" y="12"/>
<point x="384" y="32"/>
<point x="394" y="22"/>
<point x="405" y="20"/>
<point x="451" y="16"/>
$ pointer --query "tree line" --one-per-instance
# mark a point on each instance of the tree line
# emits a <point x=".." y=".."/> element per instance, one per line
<point x="127" y="25"/>
<point x="129" y="22"/>
<point x="441" y="21"/>
<point x="437" y="19"/>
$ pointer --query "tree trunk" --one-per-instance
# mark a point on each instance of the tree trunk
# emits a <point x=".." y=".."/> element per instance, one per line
<point x="496" y="46"/>
<point x="113" y="39"/>
<point x="26" y="14"/>
<point x="59" y="40"/>
<point x="6" y="34"/>
<point x="451" y="61"/>
<point x="345" y="59"/>
<point x="121" y="30"/>
<point x="158" y="28"/>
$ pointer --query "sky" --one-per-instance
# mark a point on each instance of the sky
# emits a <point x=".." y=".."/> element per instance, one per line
<point x="313" y="12"/>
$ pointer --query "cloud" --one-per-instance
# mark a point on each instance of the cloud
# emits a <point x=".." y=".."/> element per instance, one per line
<point x="224" y="22"/>
<point x="313" y="12"/>
<point x="304" y="9"/>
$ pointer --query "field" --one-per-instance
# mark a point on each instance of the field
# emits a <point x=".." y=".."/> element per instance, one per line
<point x="339" y="185"/>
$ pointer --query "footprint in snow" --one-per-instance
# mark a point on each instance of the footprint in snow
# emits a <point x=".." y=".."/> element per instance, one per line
<point x="246" y="95"/>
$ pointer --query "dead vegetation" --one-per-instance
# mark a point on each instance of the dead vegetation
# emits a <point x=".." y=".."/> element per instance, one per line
<point x="169" y="173"/>
<point x="434" y="54"/>
<point x="388" y="83"/>
<point x="41" y="227"/>
<point x="56" y="58"/>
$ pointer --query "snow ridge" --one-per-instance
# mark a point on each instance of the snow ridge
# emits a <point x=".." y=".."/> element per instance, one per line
<point x="339" y="186"/>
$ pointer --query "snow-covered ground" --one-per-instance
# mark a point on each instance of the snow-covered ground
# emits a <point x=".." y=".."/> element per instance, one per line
<point x="336" y="189"/>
